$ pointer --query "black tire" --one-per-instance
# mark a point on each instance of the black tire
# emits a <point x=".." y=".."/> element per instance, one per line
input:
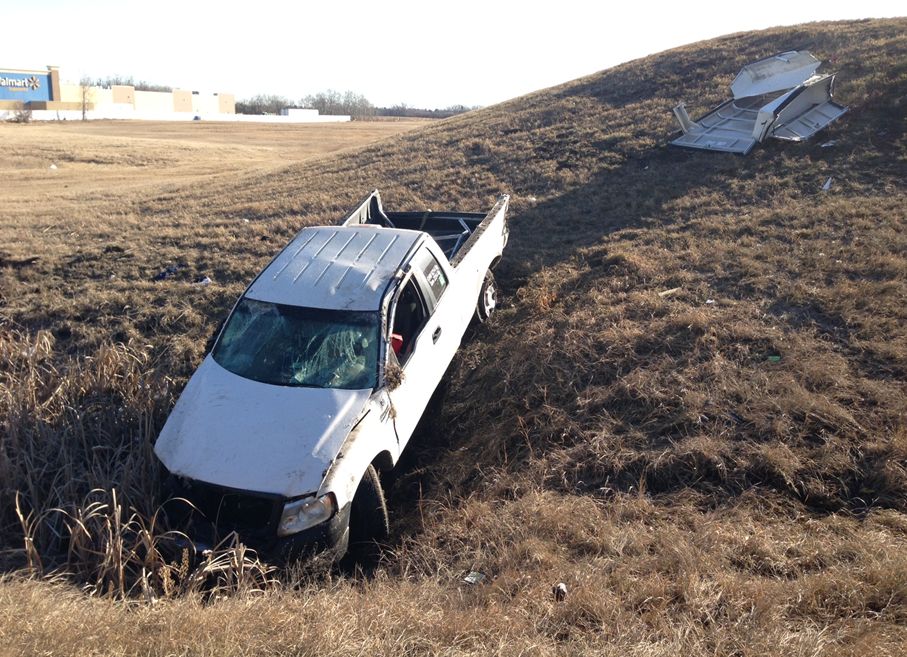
<point x="488" y="298"/>
<point x="368" y="521"/>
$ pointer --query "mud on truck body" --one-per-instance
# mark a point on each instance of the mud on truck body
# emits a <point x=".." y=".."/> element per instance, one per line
<point x="320" y="374"/>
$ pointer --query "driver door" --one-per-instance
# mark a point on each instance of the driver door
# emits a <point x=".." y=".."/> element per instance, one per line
<point x="423" y="351"/>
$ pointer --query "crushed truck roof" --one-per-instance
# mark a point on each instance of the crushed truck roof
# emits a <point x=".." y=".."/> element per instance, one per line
<point x="335" y="267"/>
<point x="780" y="96"/>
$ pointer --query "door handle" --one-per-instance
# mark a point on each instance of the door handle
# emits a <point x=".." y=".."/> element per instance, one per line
<point x="436" y="334"/>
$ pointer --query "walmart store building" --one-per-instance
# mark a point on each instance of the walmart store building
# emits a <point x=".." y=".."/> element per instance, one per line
<point x="42" y="93"/>
<point x="20" y="89"/>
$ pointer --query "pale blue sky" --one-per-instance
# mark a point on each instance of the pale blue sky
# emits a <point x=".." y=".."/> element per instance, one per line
<point x="419" y="53"/>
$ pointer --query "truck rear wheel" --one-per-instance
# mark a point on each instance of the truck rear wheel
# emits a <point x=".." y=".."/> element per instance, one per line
<point x="368" y="520"/>
<point x="488" y="298"/>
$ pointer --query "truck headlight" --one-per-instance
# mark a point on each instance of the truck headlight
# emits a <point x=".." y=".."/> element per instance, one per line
<point x="302" y="514"/>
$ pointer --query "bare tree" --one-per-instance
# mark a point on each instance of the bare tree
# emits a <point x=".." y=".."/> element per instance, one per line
<point x="22" y="115"/>
<point x="86" y="93"/>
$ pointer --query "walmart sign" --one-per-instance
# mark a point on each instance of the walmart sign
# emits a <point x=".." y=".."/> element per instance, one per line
<point x="24" y="86"/>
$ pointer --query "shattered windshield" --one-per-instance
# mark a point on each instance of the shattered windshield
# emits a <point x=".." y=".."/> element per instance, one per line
<point x="292" y="346"/>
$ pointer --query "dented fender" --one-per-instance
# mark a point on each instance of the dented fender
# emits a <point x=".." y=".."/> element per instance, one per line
<point x="372" y="437"/>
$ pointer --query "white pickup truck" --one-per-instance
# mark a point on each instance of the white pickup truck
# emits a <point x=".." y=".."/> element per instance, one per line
<point x="322" y="371"/>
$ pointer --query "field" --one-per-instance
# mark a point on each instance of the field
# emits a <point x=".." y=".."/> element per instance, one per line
<point x="103" y="160"/>
<point x="721" y="470"/>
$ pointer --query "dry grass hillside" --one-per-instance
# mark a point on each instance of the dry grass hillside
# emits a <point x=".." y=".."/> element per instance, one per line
<point x="717" y="471"/>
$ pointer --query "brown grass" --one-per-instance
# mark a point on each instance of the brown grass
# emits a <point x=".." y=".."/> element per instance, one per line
<point x="98" y="163"/>
<point x="706" y="478"/>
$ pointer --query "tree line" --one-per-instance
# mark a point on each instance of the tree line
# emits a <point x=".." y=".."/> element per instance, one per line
<point x="326" y="102"/>
<point x="336" y="102"/>
<point x="120" y="80"/>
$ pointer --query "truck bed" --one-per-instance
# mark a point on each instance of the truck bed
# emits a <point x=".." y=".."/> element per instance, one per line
<point x="451" y="230"/>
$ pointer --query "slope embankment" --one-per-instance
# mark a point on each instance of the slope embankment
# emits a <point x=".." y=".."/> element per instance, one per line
<point x="690" y="407"/>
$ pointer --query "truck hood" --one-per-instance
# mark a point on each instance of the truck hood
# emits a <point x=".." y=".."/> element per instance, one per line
<point x="239" y="433"/>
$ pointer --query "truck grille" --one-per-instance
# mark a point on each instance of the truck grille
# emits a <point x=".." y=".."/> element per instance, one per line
<point x="251" y="515"/>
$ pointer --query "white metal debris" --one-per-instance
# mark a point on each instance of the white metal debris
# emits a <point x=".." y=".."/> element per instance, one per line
<point x="779" y="73"/>
<point x="781" y="97"/>
<point x="560" y="592"/>
<point x="474" y="577"/>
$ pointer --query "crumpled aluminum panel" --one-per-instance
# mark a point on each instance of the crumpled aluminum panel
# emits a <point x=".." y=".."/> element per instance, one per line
<point x="808" y="124"/>
<point x="809" y="109"/>
<point x="727" y="128"/>
<point x="777" y="73"/>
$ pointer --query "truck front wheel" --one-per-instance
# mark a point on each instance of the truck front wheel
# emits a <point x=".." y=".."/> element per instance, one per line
<point x="488" y="298"/>
<point x="368" y="520"/>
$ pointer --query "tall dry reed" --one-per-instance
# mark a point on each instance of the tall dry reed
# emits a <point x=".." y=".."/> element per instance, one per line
<point x="80" y="486"/>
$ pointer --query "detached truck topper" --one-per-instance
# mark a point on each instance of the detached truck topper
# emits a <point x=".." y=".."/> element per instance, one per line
<point x="321" y="373"/>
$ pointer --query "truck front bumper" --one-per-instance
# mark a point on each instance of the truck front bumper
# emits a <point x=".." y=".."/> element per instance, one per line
<point x="329" y="538"/>
<point x="253" y="517"/>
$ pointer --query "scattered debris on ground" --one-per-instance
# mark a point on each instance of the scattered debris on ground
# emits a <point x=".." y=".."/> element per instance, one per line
<point x="560" y="592"/>
<point x="474" y="577"/>
<point x="167" y="272"/>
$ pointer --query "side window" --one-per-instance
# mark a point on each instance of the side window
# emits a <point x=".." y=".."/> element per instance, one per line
<point x="434" y="273"/>
<point x="409" y="318"/>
